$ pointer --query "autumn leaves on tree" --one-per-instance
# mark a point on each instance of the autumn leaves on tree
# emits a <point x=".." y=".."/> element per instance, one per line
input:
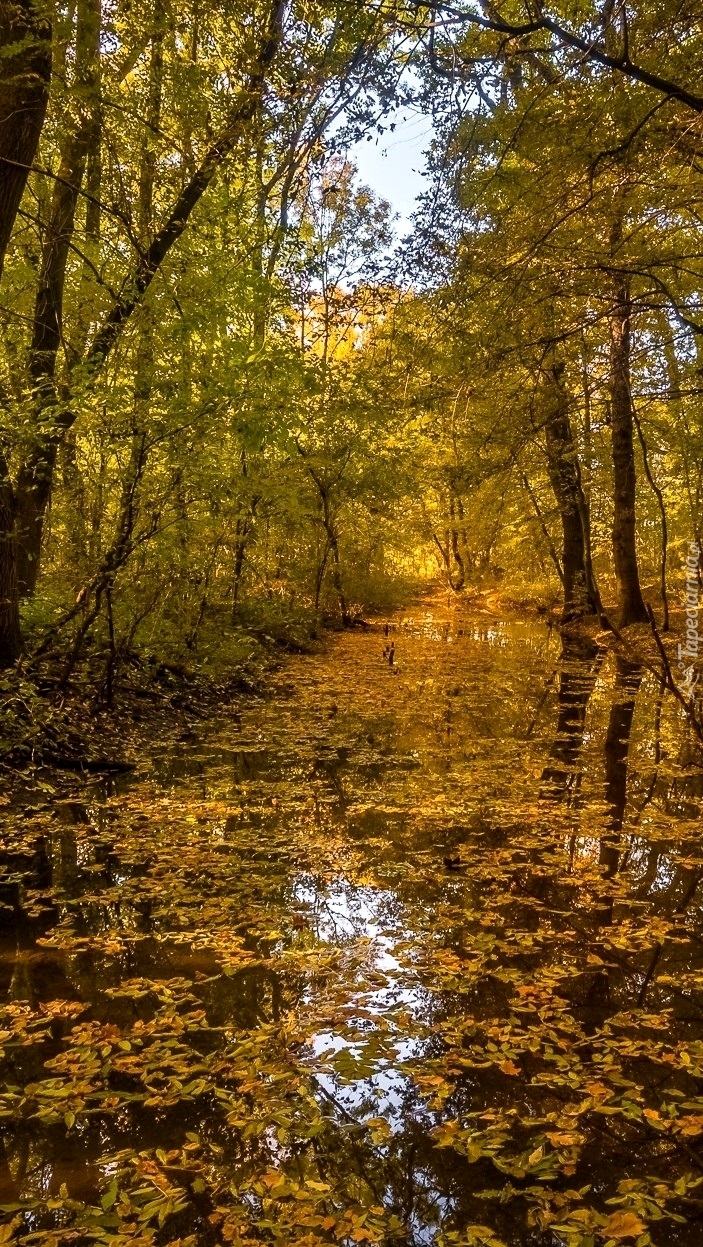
<point x="228" y="402"/>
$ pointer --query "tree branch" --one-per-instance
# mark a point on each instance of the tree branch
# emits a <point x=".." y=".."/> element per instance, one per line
<point x="590" y="50"/>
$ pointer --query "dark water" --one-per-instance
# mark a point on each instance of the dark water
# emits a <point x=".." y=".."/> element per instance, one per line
<point x="406" y="953"/>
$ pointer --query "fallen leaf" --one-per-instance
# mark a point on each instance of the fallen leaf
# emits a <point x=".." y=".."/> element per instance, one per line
<point x="623" y="1225"/>
<point x="509" y="1067"/>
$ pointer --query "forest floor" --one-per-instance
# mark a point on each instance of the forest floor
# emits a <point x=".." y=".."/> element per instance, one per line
<point x="405" y="949"/>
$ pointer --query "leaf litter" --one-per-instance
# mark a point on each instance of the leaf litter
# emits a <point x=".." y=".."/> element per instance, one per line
<point x="407" y="955"/>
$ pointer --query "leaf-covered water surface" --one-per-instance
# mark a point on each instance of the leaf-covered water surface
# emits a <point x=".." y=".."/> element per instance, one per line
<point x="408" y="952"/>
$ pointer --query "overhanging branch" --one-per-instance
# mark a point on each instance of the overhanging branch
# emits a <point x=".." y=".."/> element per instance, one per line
<point x="592" y="51"/>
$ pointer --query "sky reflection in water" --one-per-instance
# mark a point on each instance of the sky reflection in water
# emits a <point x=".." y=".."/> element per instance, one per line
<point x="402" y="936"/>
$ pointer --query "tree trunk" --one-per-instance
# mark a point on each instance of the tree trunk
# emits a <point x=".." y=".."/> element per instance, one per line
<point x="456" y="552"/>
<point x="580" y="591"/>
<point x="10" y="634"/>
<point x="319" y="580"/>
<point x="25" y="70"/>
<point x="123" y="544"/>
<point x="36" y="472"/>
<point x="631" y="603"/>
<point x="337" y="578"/>
<point x="333" y="544"/>
<point x="691" y="463"/>
<point x="659" y="495"/>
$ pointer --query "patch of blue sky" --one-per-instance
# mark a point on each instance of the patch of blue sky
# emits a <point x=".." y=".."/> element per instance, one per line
<point x="392" y="163"/>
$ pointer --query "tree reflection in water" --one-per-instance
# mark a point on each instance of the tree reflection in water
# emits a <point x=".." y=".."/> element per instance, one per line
<point x="247" y="1002"/>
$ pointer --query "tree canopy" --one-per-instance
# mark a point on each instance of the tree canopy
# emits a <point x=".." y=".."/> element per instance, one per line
<point x="230" y="401"/>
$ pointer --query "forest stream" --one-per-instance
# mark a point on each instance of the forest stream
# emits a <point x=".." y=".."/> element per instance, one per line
<point x="407" y="951"/>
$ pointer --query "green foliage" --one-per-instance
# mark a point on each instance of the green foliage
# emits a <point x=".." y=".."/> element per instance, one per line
<point x="251" y="1000"/>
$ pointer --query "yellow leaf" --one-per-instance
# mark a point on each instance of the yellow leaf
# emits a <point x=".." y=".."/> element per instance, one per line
<point x="272" y="1178"/>
<point x="623" y="1225"/>
<point x="598" y="1089"/>
<point x="509" y="1067"/>
<point x="690" y="1125"/>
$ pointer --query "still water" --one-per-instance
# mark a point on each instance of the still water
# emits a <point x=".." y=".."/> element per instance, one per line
<point x="405" y="952"/>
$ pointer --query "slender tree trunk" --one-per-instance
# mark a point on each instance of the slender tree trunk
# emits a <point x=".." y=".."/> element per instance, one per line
<point x="242" y="532"/>
<point x="111" y="664"/>
<point x="580" y="591"/>
<point x="33" y="492"/>
<point x="10" y="633"/>
<point x="631" y="603"/>
<point x="323" y="489"/>
<point x="444" y="552"/>
<point x="659" y="495"/>
<point x="25" y="71"/>
<point x="36" y="472"/>
<point x="685" y="437"/>
<point x="74" y="488"/>
<point x="337" y="576"/>
<point x="463" y="539"/>
<point x="192" y="636"/>
<point x="454" y="542"/>
<point x="333" y="542"/>
<point x="115" y="557"/>
<point x="319" y="580"/>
